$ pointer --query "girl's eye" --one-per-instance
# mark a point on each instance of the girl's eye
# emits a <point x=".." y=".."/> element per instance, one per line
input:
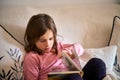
<point x="42" y="40"/>
<point x="51" y="38"/>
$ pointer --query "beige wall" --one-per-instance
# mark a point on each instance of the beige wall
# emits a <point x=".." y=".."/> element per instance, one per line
<point x="52" y="2"/>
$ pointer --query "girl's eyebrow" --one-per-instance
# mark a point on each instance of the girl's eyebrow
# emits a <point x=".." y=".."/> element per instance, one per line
<point x="44" y="39"/>
<point x="41" y="39"/>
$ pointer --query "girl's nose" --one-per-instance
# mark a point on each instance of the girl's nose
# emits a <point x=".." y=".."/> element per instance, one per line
<point x="47" y="44"/>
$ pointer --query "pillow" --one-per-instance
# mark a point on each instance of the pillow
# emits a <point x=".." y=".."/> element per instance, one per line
<point x="107" y="54"/>
<point x="11" y="56"/>
<point x="115" y="40"/>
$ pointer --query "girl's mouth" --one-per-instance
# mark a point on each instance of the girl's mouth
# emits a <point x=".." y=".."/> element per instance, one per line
<point x="47" y="49"/>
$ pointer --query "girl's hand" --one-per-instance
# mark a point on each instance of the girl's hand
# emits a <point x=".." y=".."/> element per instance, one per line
<point x="71" y="55"/>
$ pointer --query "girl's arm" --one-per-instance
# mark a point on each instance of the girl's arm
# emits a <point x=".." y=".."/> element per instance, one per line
<point x="30" y="67"/>
<point x="69" y="48"/>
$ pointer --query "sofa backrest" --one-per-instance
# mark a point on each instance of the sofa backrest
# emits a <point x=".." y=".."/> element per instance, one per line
<point x="89" y="25"/>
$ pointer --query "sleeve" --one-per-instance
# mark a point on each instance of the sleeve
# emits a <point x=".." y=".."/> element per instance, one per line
<point x="69" y="48"/>
<point x="79" y="49"/>
<point x="30" y="67"/>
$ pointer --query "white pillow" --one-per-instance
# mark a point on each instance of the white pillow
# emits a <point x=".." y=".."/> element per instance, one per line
<point x="11" y="56"/>
<point x="107" y="54"/>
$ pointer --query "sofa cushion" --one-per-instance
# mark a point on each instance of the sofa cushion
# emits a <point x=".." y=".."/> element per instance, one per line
<point x="11" y="56"/>
<point x="115" y="40"/>
<point x="107" y="54"/>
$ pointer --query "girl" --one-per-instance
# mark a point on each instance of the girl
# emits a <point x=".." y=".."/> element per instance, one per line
<point x="43" y="53"/>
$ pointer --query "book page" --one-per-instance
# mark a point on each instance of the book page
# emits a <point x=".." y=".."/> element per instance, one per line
<point x="76" y="59"/>
<point x="72" y="65"/>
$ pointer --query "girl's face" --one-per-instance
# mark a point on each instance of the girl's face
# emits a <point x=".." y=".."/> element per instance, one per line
<point x="45" y="42"/>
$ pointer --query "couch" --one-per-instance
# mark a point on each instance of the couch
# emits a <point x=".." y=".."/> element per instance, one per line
<point x="96" y="27"/>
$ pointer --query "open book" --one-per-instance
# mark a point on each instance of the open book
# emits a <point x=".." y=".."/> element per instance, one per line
<point x="73" y="65"/>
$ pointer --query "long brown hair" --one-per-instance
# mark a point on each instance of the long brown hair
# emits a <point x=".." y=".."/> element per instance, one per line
<point x="36" y="27"/>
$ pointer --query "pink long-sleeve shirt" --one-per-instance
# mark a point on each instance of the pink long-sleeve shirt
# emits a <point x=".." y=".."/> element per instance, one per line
<point x="37" y="67"/>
